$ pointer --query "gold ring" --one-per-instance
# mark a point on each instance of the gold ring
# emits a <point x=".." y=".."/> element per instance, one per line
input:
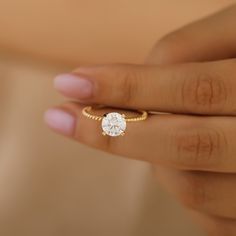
<point x="113" y="123"/>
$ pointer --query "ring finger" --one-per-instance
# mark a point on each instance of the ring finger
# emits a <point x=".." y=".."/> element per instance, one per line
<point x="185" y="142"/>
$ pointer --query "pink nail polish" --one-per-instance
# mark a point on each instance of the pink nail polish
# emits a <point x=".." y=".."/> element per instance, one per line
<point x="74" y="86"/>
<point x="60" y="121"/>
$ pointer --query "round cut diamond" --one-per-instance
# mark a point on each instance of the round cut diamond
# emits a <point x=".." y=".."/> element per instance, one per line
<point x="113" y="124"/>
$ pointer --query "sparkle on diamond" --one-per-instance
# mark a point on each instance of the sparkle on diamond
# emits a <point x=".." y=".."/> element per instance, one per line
<point x="113" y="124"/>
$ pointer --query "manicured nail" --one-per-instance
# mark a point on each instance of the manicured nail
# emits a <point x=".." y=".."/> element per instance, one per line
<point x="60" y="121"/>
<point x="74" y="86"/>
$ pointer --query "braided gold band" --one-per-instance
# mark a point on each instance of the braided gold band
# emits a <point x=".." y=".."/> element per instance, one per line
<point x="113" y="123"/>
<point x="87" y="112"/>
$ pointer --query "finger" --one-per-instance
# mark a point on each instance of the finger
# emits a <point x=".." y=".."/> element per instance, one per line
<point x="213" y="225"/>
<point x="210" y="193"/>
<point x="212" y="38"/>
<point x="183" y="142"/>
<point x="199" y="88"/>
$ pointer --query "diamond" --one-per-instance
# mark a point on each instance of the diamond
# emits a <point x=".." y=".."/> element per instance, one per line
<point x="113" y="124"/>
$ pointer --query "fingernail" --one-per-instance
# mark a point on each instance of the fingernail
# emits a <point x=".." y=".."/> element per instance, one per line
<point x="74" y="86"/>
<point x="60" y="121"/>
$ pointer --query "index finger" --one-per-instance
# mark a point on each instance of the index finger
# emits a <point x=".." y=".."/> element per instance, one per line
<point x="196" y="88"/>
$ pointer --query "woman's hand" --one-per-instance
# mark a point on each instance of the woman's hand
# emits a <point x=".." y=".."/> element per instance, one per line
<point x="191" y="74"/>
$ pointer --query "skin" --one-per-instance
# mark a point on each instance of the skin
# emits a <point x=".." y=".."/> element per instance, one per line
<point x="190" y="74"/>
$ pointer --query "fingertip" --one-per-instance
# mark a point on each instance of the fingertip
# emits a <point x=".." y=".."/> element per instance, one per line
<point x="60" y="121"/>
<point x="73" y="86"/>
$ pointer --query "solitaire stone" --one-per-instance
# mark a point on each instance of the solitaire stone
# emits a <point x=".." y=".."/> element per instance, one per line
<point x="113" y="124"/>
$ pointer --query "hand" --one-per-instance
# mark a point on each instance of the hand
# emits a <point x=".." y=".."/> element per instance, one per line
<point x="192" y="75"/>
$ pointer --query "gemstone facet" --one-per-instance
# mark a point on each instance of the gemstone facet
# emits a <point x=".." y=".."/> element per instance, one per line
<point x="113" y="124"/>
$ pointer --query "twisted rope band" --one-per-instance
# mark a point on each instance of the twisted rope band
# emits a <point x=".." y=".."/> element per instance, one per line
<point x="86" y="112"/>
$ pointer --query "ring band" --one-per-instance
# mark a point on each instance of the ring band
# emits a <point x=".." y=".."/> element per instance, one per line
<point x="114" y="123"/>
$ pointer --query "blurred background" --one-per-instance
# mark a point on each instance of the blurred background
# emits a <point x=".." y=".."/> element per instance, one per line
<point x="50" y="185"/>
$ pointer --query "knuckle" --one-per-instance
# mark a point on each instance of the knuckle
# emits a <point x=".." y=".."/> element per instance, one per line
<point x="129" y="86"/>
<point x="194" y="193"/>
<point x="117" y="82"/>
<point x="201" y="148"/>
<point x="204" y="92"/>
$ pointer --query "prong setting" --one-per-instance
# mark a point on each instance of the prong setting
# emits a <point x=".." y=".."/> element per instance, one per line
<point x="114" y="124"/>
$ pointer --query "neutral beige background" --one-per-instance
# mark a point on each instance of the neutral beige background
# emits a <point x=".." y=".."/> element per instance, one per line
<point x="50" y="185"/>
